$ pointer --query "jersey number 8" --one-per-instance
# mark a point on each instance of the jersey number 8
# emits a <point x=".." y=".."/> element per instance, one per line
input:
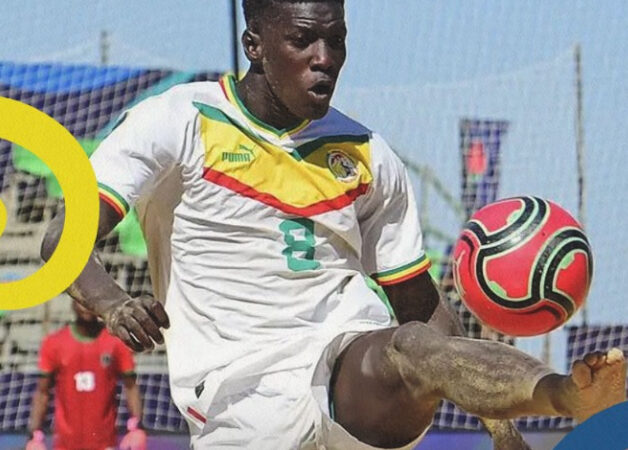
<point x="298" y="234"/>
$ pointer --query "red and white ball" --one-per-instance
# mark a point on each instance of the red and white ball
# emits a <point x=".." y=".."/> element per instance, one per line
<point x="522" y="266"/>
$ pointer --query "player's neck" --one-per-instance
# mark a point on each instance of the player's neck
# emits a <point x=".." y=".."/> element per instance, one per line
<point x="87" y="330"/>
<point x="258" y="98"/>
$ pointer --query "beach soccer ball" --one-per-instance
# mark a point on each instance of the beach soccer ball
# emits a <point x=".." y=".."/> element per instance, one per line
<point x="522" y="266"/>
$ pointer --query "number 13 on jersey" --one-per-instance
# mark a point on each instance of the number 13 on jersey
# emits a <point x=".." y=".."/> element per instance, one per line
<point x="298" y="234"/>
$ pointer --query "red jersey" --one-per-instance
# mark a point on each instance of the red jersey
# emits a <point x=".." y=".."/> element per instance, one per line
<point x="85" y="372"/>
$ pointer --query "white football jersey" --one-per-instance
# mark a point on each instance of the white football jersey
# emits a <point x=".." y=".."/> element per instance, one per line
<point x="259" y="239"/>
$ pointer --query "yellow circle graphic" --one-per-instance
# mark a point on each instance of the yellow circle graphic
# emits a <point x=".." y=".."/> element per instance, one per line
<point x="64" y="156"/>
<point x="3" y="217"/>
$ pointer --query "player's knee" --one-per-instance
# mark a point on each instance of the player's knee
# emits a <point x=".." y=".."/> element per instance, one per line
<point x="416" y="349"/>
<point x="417" y="338"/>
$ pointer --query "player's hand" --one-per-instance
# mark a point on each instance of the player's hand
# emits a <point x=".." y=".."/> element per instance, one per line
<point x="137" y="322"/>
<point x="37" y="441"/>
<point x="135" y="439"/>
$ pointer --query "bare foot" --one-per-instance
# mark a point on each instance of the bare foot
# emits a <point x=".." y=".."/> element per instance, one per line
<point x="600" y="382"/>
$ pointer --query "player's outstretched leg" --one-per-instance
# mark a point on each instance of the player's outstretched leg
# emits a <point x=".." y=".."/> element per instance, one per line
<point x="389" y="383"/>
<point x="372" y="401"/>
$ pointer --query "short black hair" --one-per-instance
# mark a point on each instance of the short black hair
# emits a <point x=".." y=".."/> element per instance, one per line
<point x="255" y="8"/>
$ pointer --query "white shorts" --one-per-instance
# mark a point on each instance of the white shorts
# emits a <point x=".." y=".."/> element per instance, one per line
<point x="284" y="410"/>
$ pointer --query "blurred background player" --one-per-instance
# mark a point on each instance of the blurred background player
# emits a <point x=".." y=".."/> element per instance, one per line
<point x="83" y="362"/>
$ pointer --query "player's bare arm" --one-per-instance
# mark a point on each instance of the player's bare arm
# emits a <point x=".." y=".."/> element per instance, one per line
<point x="136" y="321"/>
<point x="136" y="436"/>
<point x="133" y="397"/>
<point x="40" y="403"/>
<point x="414" y="299"/>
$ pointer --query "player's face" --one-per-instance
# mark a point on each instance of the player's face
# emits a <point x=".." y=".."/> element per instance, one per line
<point x="303" y="52"/>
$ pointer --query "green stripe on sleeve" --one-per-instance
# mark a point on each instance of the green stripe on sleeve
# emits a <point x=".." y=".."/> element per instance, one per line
<point x="387" y="273"/>
<point x="115" y="195"/>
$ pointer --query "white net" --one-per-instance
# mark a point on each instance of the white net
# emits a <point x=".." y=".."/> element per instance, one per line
<point x="526" y="122"/>
<point x="423" y="124"/>
<point x="522" y="121"/>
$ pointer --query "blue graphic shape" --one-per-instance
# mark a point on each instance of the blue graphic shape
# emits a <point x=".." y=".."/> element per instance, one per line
<point x="607" y="430"/>
<point x="59" y="78"/>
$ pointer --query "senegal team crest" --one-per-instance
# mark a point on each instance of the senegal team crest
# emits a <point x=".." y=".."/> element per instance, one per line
<point x="342" y="166"/>
<point x="105" y="359"/>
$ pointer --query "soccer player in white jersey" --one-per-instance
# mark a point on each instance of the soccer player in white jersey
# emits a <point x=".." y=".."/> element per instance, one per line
<point x="264" y="211"/>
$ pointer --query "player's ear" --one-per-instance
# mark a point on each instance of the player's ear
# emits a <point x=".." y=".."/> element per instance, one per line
<point x="252" y="44"/>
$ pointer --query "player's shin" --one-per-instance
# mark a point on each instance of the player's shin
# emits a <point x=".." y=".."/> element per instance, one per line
<point x="486" y="378"/>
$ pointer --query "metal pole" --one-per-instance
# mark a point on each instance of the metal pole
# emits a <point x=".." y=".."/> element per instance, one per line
<point x="580" y="150"/>
<point x="104" y="48"/>
<point x="546" y="352"/>
<point x="45" y="323"/>
<point x="579" y="128"/>
<point x="235" y="51"/>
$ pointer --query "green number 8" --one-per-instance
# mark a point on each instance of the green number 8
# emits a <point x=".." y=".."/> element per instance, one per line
<point x="304" y="245"/>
